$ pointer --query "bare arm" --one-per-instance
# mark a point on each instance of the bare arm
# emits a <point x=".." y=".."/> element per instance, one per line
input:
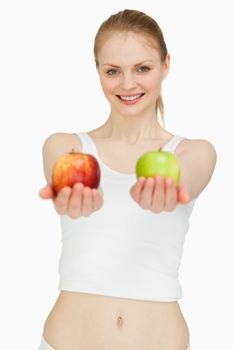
<point x="197" y="161"/>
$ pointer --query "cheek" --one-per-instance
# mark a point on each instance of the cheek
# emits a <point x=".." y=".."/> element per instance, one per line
<point x="107" y="85"/>
<point x="152" y="83"/>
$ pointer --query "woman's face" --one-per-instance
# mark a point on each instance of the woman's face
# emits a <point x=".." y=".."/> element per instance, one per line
<point x="128" y="66"/>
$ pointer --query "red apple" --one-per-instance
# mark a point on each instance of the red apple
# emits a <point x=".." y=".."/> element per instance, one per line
<point x="75" y="167"/>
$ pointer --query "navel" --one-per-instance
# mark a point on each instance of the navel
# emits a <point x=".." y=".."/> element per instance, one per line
<point x="119" y="321"/>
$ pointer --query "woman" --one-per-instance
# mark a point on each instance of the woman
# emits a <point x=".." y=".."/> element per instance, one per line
<point x="122" y="243"/>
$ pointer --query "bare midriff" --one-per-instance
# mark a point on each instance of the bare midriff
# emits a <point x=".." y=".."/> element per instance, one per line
<point x="81" y="321"/>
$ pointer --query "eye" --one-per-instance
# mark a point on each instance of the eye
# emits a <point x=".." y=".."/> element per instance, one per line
<point x="144" y="68"/>
<point x="111" y="71"/>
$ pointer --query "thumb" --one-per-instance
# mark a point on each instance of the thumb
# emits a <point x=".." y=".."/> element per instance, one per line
<point x="46" y="192"/>
<point x="183" y="196"/>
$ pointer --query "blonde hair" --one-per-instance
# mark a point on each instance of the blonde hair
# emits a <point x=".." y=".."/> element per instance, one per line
<point x="139" y="23"/>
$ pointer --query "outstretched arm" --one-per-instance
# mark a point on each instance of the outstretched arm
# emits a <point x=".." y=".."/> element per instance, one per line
<point x="197" y="163"/>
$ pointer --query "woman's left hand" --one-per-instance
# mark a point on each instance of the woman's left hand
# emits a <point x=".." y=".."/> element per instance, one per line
<point x="158" y="194"/>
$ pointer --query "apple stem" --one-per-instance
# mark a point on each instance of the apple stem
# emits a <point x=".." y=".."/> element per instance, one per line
<point x="160" y="149"/>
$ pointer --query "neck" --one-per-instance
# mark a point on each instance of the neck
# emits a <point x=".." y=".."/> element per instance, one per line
<point x="133" y="129"/>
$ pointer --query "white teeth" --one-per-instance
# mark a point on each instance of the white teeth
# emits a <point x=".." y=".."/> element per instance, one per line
<point x="130" y="98"/>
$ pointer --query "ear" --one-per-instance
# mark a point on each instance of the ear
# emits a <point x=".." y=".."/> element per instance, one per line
<point x="166" y="66"/>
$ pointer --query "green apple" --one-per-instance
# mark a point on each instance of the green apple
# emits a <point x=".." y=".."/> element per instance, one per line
<point x="159" y="162"/>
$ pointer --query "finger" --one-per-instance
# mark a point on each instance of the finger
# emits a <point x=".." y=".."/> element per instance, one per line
<point x="95" y="199"/>
<point x="47" y="192"/>
<point x="75" y="203"/>
<point x="158" y="195"/>
<point x="87" y="202"/>
<point x="99" y="199"/>
<point x="183" y="196"/>
<point x="135" y="191"/>
<point x="147" y="193"/>
<point x="61" y="201"/>
<point x="170" y="195"/>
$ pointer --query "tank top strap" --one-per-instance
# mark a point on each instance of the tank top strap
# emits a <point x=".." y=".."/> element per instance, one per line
<point x="88" y="145"/>
<point x="172" y="144"/>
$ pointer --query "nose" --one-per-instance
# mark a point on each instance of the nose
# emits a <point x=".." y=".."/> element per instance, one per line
<point x="128" y="82"/>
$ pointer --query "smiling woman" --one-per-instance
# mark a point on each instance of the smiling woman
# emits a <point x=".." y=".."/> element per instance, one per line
<point x="132" y="76"/>
<point x="122" y="244"/>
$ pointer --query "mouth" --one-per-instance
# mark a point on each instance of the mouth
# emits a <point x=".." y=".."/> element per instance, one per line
<point x="127" y="99"/>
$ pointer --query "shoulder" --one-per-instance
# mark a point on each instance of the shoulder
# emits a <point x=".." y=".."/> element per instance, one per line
<point x="203" y="148"/>
<point x="63" y="140"/>
<point x="56" y="145"/>
<point x="197" y="160"/>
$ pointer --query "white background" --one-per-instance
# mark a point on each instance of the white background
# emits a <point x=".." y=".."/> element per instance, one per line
<point x="48" y="83"/>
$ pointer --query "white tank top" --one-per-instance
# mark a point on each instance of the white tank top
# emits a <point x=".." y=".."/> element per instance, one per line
<point x="122" y="250"/>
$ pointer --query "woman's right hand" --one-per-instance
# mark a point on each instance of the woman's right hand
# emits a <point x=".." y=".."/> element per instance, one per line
<point x="74" y="202"/>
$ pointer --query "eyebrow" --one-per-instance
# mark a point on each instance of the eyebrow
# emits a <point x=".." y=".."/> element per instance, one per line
<point x="137" y="64"/>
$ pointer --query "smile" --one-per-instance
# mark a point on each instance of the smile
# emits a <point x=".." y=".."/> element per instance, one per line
<point x="130" y="99"/>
